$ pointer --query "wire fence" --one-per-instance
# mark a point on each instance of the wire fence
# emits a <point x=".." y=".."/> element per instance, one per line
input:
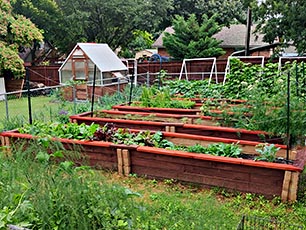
<point x="56" y="102"/>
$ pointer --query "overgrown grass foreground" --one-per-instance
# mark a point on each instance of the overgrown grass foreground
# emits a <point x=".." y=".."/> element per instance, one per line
<point x="43" y="189"/>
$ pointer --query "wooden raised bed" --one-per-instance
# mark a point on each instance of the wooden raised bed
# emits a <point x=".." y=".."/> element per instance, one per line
<point x="147" y="116"/>
<point x="157" y="110"/>
<point x="269" y="179"/>
<point x="177" y="126"/>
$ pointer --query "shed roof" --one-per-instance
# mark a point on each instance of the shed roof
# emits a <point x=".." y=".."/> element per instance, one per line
<point x="101" y="55"/>
<point x="232" y="37"/>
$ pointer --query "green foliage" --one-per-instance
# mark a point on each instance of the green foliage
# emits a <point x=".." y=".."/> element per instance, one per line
<point x="16" y="31"/>
<point x="111" y="22"/>
<point x="218" y="149"/>
<point x="192" y="39"/>
<point x="69" y="130"/>
<point x="282" y="20"/>
<point x="194" y="89"/>
<point x="152" y="97"/>
<point x="38" y="193"/>
<point x="267" y="152"/>
<point x="141" y="40"/>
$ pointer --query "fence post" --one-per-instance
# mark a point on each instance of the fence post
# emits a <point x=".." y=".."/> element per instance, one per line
<point x="29" y="95"/>
<point x="148" y="79"/>
<point x="74" y="98"/>
<point x="6" y="107"/>
<point x="288" y="116"/>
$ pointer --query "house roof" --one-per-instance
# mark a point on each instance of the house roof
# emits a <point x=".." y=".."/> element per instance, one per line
<point x="101" y="55"/>
<point x="145" y="52"/>
<point x="232" y="37"/>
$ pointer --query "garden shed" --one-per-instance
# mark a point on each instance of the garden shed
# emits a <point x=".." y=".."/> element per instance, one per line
<point x="89" y="61"/>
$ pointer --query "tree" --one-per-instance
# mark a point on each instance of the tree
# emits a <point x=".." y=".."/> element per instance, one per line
<point x="44" y="13"/>
<point x="191" y="40"/>
<point x="142" y="40"/>
<point x="283" y="20"/>
<point x="228" y="11"/>
<point x="67" y="22"/>
<point x="15" y="31"/>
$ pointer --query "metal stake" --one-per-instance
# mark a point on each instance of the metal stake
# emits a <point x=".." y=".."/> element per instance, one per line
<point x="29" y="96"/>
<point x="93" y="91"/>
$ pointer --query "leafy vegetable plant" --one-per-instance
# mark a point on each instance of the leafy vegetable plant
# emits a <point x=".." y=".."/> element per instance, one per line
<point x="267" y="152"/>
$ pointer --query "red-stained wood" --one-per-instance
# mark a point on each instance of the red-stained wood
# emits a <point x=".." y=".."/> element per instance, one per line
<point x="179" y="126"/>
<point x="206" y="170"/>
<point x="239" y="177"/>
<point x="157" y="110"/>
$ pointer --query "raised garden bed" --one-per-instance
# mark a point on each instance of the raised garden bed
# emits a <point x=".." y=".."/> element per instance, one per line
<point x="177" y="125"/>
<point x="269" y="179"/>
<point x="148" y="116"/>
<point x="128" y="108"/>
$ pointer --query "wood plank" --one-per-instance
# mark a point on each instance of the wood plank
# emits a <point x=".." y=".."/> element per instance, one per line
<point x="126" y="162"/>
<point x="120" y="161"/>
<point x="286" y="184"/>
<point x="292" y="193"/>
<point x="205" y="181"/>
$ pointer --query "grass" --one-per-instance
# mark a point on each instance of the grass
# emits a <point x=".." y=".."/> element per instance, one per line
<point x="42" y="191"/>
<point x="49" y="108"/>
<point x="43" y="109"/>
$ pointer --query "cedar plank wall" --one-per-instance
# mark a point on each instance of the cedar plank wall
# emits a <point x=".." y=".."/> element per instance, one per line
<point x="207" y="174"/>
<point x="96" y="156"/>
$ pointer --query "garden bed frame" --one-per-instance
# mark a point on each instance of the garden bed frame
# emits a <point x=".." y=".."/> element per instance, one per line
<point x="176" y="125"/>
<point x="268" y="179"/>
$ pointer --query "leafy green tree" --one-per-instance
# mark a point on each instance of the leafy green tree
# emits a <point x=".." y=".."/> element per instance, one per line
<point x="67" y="22"/>
<point x="44" y="13"/>
<point x="283" y="20"/>
<point x="15" y="31"/>
<point x="142" y="40"/>
<point x="192" y="40"/>
<point x="228" y="11"/>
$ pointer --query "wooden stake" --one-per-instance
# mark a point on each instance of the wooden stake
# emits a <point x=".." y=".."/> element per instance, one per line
<point x="126" y="162"/>
<point x="120" y="162"/>
<point x="286" y="184"/>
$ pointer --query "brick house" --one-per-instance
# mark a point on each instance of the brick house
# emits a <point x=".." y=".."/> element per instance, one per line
<point x="233" y="42"/>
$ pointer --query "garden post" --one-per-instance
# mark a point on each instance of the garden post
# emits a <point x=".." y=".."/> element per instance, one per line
<point x="131" y="89"/>
<point x="6" y="107"/>
<point x="93" y="90"/>
<point x="29" y="96"/>
<point x="288" y="116"/>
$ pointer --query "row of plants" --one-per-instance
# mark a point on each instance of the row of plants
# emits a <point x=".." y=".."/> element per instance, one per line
<point x="266" y="92"/>
<point x="262" y="113"/>
<point x="242" y="78"/>
<point x="110" y="133"/>
<point x="153" y="97"/>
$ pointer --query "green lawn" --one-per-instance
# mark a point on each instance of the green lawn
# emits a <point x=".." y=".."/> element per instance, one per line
<point x="19" y="107"/>
<point x="44" y="108"/>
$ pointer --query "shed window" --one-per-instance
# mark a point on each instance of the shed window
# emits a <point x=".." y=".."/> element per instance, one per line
<point x="79" y="69"/>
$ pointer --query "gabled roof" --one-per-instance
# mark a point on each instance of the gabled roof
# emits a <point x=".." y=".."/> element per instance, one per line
<point x="101" y="55"/>
<point x="232" y="37"/>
